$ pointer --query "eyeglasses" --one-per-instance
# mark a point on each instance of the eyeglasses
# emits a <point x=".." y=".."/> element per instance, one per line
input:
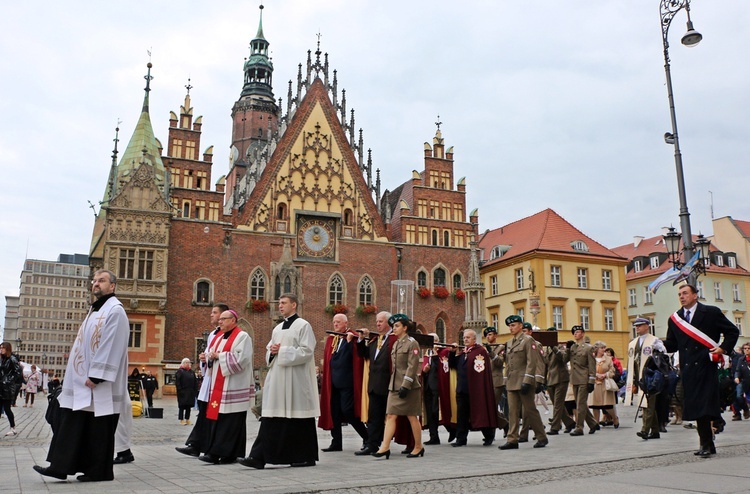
<point x="224" y="318"/>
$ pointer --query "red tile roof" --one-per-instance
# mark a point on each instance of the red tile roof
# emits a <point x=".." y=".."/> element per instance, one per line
<point x="653" y="245"/>
<point x="743" y="227"/>
<point x="545" y="231"/>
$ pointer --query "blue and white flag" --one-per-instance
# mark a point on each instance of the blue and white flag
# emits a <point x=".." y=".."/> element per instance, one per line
<point x="666" y="276"/>
<point x="688" y="268"/>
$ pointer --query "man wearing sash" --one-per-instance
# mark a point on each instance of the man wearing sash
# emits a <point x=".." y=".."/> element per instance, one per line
<point x="199" y="437"/>
<point x="341" y="390"/>
<point x="695" y="331"/>
<point x="287" y="432"/>
<point x="94" y="389"/>
<point x="229" y="361"/>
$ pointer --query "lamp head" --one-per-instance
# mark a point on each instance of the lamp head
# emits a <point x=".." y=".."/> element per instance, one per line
<point x="691" y="37"/>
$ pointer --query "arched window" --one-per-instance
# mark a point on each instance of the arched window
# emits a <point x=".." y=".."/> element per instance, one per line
<point x="281" y="211"/>
<point x="347" y="217"/>
<point x="438" y="277"/>
<point x="288" y="285"/>
<point x="366" y="291"/>
<point x="457" y="281"/>
<point x="421" y="279"/>
<point x="434" y="237"/>
<point x="277" y="288"/>
<point x="440" y="328"/>
<point x="186" y="209"/>
<point x="203" y="292"/>
<point x="446" y="239"/>
<point x="336" y="290"/>
<point x="258" y="285"/>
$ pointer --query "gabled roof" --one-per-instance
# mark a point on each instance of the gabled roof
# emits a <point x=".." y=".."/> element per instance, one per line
<point x="545" y="231"/>
<point x="743" y="227"/>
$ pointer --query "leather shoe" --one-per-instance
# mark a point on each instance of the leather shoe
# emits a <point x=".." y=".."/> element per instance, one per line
<point x="209" y="459"/>
<point x="451" y="435"/>
<point x="542" y="443"/>
<point x="89" y="478"/>
<point x="662" y="429"/>
<point x="432" y="442"/>
<point x="120" y="459"/>
<point x="642" y="435"/>
<point x="569" y="429"/>
<point x="654" y="435"/>
<point x="406" y="451"/>
<point x="508" y="446"/>
<point x="703" y="453"/>
<point x="303" y="464"/>
<point x="331" y="448"/>
<point x="576" y="432"/>
<point x="458" y="444"/>
<point x="47" y="472"/>
<point x="488" y="442"/>
<point x="252" y="463"/>
<point x="366" y="451"/>
<point x="596" y="428"/>
<point x="188" y="450"/>
<point x="553" y="432"/>
<point x="523" y="439"/>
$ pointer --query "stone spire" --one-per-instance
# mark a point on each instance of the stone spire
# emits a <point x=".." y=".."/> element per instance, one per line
<point x="474" y="293"/>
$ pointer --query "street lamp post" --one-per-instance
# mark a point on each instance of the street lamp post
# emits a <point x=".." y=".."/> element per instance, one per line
<point x="668" y="9"/>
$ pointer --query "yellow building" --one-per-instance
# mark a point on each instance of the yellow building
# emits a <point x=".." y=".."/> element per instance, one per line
<point x="551" y="274"/>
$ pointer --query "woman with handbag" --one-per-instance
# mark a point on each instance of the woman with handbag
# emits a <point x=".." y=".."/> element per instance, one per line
<point x="11" y="376"/>
<point x="603" y="396"/>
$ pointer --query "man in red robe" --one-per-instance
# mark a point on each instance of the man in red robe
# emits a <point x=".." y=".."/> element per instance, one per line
<point x="475" y="395"/>
<point x="341" y="390"/>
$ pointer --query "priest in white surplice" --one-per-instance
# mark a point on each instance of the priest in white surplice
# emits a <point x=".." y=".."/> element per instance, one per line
<point x="287" y="432"/>
<point x="230" y="372"/>
<point x="94" y="389"/>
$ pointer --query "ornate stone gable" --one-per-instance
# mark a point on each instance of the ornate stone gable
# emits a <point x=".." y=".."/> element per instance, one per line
<point x="314" y="170"/>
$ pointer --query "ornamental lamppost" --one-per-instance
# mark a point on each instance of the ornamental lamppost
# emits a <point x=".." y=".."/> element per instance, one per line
<point x="668" y="9"/>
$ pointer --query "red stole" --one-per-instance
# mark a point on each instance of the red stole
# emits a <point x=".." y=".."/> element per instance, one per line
<point x="214" y="403"/>
<point x="697" y="335"/>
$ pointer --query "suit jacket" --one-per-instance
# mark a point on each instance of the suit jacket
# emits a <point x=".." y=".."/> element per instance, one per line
<point x="700" y="376"/>
<point x="557" y="369"/>
<point x="405" y="359"/>
<point x="582" y="364"/>
<point x="380" y="365"/>
<point x="522" y="362"/>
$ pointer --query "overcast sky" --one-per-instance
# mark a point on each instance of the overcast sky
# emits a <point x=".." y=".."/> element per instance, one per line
<point x="547" y="103"/>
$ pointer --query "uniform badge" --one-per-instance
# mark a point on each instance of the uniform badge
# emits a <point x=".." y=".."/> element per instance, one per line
<point x="416" y="352"/>
<point x="479" y="363"/>
<point x="630" y="352"/>
<point x="647" y="350"/>
<point x="446" y="367"/>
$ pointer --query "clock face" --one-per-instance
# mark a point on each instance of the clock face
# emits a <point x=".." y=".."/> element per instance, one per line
<point x="316" y="238"/>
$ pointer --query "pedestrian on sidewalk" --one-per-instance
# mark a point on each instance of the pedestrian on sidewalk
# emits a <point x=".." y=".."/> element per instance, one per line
<point x="33" y="383"/>
<point x="11" y="376"/>
<point x="187" y="390"/>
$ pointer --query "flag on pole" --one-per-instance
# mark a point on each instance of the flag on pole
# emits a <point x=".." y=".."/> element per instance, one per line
<point x="666" y="276"/>
<point x="688" y="268"/>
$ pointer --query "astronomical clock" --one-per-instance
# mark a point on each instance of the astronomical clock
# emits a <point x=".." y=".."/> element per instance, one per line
<point x="316" y="238"/>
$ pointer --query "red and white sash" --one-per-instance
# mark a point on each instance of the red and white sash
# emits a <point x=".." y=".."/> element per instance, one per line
<point x="214" y="404"/>
<point x="697" y="335"/>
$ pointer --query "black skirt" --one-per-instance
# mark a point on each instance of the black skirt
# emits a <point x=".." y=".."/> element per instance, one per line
<point x="228" y="435"/>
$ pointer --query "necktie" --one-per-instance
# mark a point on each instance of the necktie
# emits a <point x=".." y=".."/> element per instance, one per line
<point x="687" y="316"/>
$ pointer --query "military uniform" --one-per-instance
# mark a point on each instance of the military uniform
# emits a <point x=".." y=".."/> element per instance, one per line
<point x="539" y="376"/>
<point x="558" y="379"/>
<point x="523" y="364"/>
<point x="497" y="358"/>
<point x="582" y="373"/>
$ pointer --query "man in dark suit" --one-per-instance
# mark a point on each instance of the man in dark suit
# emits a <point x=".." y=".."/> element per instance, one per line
<point x="378" y="352"/>
<point x="699" y="371"/>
